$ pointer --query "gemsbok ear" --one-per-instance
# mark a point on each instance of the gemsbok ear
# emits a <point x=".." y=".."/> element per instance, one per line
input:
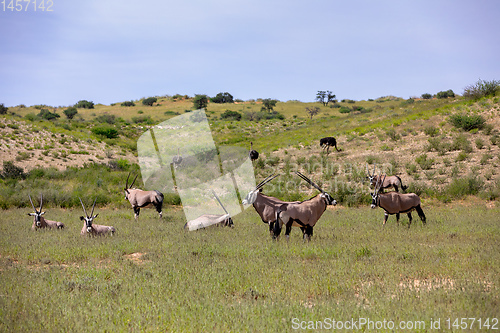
<point x="95" y="215"/>
<point x="82" y="218"/>
<point x="42" y="213"/>
<point x="31" y="214"/>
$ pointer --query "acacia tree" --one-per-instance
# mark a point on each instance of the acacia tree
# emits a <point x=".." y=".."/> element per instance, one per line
<point x="268" y="104"/>
<point x="312" y="111"/>
<point x="200" y="102"/>
<point x="325" y="97"/>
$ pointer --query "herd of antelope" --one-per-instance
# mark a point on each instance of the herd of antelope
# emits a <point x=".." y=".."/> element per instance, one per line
<point x="273" y="211"/>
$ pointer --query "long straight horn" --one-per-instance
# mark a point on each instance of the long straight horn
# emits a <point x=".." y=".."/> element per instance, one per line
<point x="29" y="196"/>
<point x="381" y="182"/>
<point x="92" y="213"/>
<point x="126" y="183"/>
<point x="265" y="181"/>
<point x="374" y="166"/>
<point x="41" y="201"/>
<point x="220" y="203"/>
<point x="309" y="181"/>
<point x="133" y="181"/>
<point x="83" y="207"/>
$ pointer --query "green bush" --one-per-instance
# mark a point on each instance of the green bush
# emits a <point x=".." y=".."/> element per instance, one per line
<point x="128" y="103"/>
<point x="460" y="142"/>
<point x="149" y="101"/>
<point x="482" y="88"/>
<point x="426" y="96"/>
<point x="200" y="102"/>
<point x="83" y="104"/>
<point x="12" y="171"/>
<point x="222" y="98"/>
<point x="106" y="131"/>
<point x="445" y="94"/>
<point x="231" y="115"/>
<point x="467" y="122"/>
<point x="344" y="109"/>
<point x="70" y="112"/>
<point x="431" y="131"/>
<point x="3" y="109"/>
<point x="46" y="114"/>
<point x="463" y="186"/>
<point x="425" y="162"/>
<point x="106" y="118"/>
<point x="143" y="120"/>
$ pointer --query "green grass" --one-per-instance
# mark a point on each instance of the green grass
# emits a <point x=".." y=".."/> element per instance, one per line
<point x="239" y="279"/>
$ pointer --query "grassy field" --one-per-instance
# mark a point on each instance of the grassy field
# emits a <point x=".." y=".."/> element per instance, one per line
<point x="154" y="276"/>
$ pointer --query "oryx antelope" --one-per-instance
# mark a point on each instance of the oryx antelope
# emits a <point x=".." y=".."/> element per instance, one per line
<point x="177" y="160"/>
<point x="39" y="221"/>
<point x="328" y="142"/>
<point x="390" y="181"/>
<point x="91" y="229"/>
<point x="142" y="199"/>
<point x="207" y="220"/>
<point x="303" y="214"/>
<point x="396" y="203"/>
<point x="266" y="206"/>
<point x="254" y="154"/>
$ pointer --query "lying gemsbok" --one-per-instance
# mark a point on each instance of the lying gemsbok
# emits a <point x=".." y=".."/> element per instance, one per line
<point x="39" y="221"/>
<point x="303" y="214"/>
<point x="91" y="229"/>
<point x="391" y="181"/>
<point x="207" y="220"/>
<point x="142" y="199"/>
<point x="396" y="203"/>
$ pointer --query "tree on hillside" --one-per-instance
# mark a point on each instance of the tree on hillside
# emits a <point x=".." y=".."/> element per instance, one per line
<point x="149" y="101"/>
<point x="325" y="97"/>
<point x="70" y="112"/>
<point x="200" y="102"/>
<point x="320" y="96"/>
<point x="3" y="109"/>
<point x="268" y="104"/>
<point x="445" y="94"/>
<point x="46" y="114"/>
<point x="83" y="104"/>
<point x="426" y="96"/>
<point x="222" y="98"/>
<point x="312" y="111"/>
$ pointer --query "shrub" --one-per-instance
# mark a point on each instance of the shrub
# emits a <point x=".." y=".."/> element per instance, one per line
<point x="431" y="131"/>
<point x="12" y="171"/>
<point x="222" y="98"/>
<point x="424" y="162"/>
<point x="467" y="122"/>
<point x="426" y="96"/>
<point x="231" y="115"/>
<point x="143" y="120"/>
<point x="70" y="112"/>
<point x="460" y="142"/>
<point x="149" y="101"/>
<point x="391" y="132"/>
<point x="200" y="102"/>
<point x="106" y="118"/>
<point x="31" y="116"/>
<point x="106" y="131"/>
<point x="3" y="109"/>
<point x="46" y="114"/>
<point x="83" y="104"/>
<point x="463" y="186"/>
<point x="438" y="145"/>
<point x="344" y="109"/>
<point x="128" y="103"/>
<point x="479" y="143"/>
<point x="445" y="94"/>
<point x="482" y="88"/>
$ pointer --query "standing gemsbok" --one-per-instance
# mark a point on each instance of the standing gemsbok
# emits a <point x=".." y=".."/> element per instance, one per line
<point x="266" y="206"/>
<point x="391" y="181"/>
<point x="142" y="199"/>
<point x="396" y="203"/>
<point x="91" y="229"/>
<point x="39" y="221"/>
<point x="303" y="214"/>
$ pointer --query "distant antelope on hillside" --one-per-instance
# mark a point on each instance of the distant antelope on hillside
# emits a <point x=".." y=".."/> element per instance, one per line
<point x="39" y="221"/>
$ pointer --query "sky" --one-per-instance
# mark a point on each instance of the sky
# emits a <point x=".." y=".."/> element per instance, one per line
<point x="113" y="51"/>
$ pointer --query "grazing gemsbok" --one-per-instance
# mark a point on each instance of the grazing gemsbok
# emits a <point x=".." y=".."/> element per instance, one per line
<point x="39" y="221"/>
<point x="207" y="220"/>
<point x="91" y="229"/>
<point x="328" y="142"/>
<point x="391" y="181"/>
<point x="396" y="203"/>
<point x="142" y="199"/>
<point x="254" y="154"/>
<point x="303" y="214"/>
<point x="266" y="206"/>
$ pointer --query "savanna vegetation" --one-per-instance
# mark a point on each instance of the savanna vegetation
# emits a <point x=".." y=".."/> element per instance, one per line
<point x="154" y="276"/>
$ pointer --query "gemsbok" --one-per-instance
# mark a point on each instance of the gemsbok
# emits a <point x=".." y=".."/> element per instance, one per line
<point x="328" y="142"/>
<point x="91" y="229"/>
<point x="207" y="220"/>
<point x="396" y="203"/>
<point x="265" y="206"/>
<point x="303" y="214"/>
<point x="39" y="221"/>
<point x="143" y="199"/>
<point x="390" y="181"/>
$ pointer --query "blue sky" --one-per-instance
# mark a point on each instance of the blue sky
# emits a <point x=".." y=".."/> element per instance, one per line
<point x="112" y="51"/>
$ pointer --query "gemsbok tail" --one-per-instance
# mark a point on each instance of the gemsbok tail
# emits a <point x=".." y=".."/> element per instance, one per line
<point x="420" y="213"/>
